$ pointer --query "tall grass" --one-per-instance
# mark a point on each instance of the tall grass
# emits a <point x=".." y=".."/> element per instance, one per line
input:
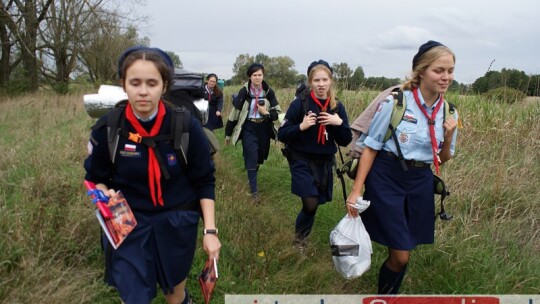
<point x="49" y="249"/>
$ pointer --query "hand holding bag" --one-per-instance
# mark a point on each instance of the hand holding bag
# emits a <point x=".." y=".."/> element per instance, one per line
<point x="351" y="245"/>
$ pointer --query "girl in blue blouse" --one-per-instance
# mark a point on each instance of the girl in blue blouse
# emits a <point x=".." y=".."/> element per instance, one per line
<point x="401" y="215"/>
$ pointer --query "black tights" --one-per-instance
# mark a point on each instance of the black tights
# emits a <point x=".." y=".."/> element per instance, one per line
<point x="306" y="217"/>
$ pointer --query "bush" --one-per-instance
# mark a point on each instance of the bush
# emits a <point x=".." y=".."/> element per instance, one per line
<point x="505" y="95"/>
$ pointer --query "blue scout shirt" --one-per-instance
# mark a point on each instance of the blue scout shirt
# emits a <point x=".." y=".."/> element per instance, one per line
<point x="412" y="132"/>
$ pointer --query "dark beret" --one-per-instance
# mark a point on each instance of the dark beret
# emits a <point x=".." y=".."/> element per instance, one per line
<point x="137" y="48"/>
<point x="314" y="63"/>
<point x="211" y="75"/>
<point x="423" y="49"/>
<point x="253" y="68"/>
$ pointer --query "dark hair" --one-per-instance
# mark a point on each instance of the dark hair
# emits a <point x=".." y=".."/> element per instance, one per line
<point x="254" y="67"/>
<point x="161" y="60"/>
<point x="217" y="89"/>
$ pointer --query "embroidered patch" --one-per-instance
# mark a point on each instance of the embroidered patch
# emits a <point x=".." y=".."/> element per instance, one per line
<point x="410" y="118"/>
<point x="133" y="154"/>
<point x="171" y="159"/>
<point x="130" y="147"/>
<point x="283" y="122"/>
<point x="403" y="138"/>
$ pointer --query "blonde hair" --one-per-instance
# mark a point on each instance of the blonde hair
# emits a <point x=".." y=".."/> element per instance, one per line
<point x="331" y="93"/>
<point x="423" y="63"/>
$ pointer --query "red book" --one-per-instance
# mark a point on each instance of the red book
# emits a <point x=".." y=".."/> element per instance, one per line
<point x="122" y="222"/>
<point x="208" y="279"/>
<point x="114" y="214"/>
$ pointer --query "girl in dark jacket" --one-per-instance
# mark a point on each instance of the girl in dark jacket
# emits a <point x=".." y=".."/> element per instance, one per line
<point x="166" y="205"/>
<point x="214" y="95"/>
<point x="315" y="122"/>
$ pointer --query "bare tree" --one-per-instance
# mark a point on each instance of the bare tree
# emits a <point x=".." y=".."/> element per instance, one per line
<point x="89" y="33"/>
<point x="23" y="19"/>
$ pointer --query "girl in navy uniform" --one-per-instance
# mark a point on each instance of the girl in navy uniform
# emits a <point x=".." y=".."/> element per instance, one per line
<point x="315" y="122"/>
<point x="254" y="111"/>
<point x="160" y="249"/>
<point x="214" y="95"/>
<point x="401" y="214"/>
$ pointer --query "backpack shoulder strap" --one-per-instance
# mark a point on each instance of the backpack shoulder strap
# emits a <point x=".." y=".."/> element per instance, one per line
<point x="449" y="109"/>
<point x="398" y="110"/>
<point x="180" y="126"/>
<point x="115" y="123"/>
<point x="303" y="95"/>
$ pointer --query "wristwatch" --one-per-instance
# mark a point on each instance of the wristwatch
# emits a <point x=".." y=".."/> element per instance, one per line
<point x="210" y="231"/>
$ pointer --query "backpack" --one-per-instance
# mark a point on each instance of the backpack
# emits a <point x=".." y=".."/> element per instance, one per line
<point x="361" y="125"/>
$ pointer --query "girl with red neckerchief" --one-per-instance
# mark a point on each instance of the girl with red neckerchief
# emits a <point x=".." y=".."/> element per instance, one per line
<point x="402" y="211"/>
<point x="314" y="124"/>
<point x="166" y="198"/>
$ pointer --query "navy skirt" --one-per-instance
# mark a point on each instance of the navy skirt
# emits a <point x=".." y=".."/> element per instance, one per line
<point x="402" y="211"/>
<point x="214" y="121"/>
<point x="159" y="250"/>
<point x="312" y="180"/>
<point x="255" y="143"/>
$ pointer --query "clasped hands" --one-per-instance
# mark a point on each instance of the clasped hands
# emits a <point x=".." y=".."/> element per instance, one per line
<point x="324" y="118"/>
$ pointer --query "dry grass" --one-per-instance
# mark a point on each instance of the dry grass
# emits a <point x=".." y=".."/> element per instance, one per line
<point x="49" y="250"/>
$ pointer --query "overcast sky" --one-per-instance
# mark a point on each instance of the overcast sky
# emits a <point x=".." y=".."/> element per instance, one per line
<point x="380" y="36"/>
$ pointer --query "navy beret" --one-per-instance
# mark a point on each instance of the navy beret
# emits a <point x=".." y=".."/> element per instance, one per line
<point x="423" y="49"/>
<point x="211" y="75"/>
<point x="253" y="68"/>
<point x="137" y="48"/>
<point x="314" y="63"/>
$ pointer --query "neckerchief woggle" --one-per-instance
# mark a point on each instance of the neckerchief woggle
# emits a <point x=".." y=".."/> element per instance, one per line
<point x="154" y="173"/>
<point x="431" y="123"/>
<point x="321" y="138"/>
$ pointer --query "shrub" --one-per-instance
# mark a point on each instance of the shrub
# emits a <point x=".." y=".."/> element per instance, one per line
<point x="505" y="95"/>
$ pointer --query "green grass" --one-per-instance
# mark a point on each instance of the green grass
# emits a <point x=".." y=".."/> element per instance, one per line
<point x="49" y="250"/>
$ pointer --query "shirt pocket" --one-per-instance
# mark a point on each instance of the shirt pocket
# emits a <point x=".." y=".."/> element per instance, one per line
<point x="406" y="132"/>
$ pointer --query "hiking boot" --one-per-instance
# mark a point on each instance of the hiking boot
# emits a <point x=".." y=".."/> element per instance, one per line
<point x="300" y="244"/>
<point x="255" y="198"/>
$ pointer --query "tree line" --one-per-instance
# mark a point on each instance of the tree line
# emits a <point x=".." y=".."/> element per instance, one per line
<point x="52" y="42"/>
<point x="56" y="42"/>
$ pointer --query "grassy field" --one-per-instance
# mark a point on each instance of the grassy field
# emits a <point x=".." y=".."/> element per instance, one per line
<point x="49" y="250"/>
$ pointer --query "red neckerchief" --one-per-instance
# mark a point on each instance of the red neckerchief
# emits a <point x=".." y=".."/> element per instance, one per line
<point x="154" y="173"/>
<point x="431" y="123"/>
<point x="321" y="138"/>
<point x="256" y="93"/>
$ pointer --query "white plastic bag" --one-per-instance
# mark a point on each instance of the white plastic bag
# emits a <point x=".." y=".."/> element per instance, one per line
<point x="351" y="244"/>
